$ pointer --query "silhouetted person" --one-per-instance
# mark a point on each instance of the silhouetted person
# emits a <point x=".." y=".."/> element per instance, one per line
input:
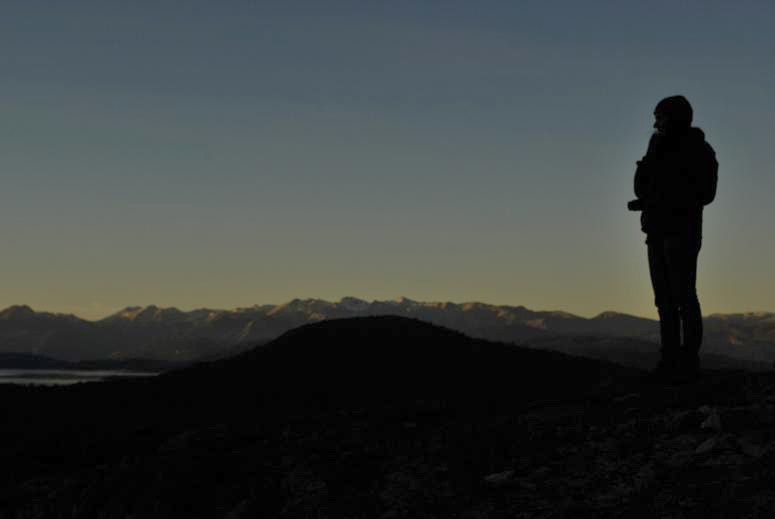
<point x="673" y="181"/>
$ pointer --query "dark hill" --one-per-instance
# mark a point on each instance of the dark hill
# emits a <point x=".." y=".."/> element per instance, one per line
<point x="398" y="359"/>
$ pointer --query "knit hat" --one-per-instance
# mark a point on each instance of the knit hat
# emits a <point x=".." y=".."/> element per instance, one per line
<point x="677" y="108"/>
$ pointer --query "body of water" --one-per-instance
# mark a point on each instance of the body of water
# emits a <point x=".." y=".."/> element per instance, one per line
<point x="61" y="377"/>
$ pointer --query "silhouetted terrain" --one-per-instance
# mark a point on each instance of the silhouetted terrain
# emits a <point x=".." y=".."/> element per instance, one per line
<point x="30" y="361"/>
<point x="173" y="335"/>
<point x="391" y="417"/>
<point x="635" y="352"/>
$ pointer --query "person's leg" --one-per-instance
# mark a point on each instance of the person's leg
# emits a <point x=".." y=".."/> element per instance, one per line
<point x="681" y="259"/>
<point x="691" y="314"/>
<point x="670" y="336"/>
<point x="669" y="317"/>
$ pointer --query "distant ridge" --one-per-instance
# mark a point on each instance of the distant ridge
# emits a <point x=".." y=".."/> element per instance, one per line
<point x="171" y="334"/>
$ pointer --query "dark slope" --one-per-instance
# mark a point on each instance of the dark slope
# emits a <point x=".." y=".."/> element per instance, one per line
<point x="397" y="359"/>
<point x="388" y="417"/>
<point x="28" y="361"/>
<point x="636" y="353"/>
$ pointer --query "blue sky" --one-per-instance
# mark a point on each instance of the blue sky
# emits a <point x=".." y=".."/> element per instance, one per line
<point x="224" y="154"/>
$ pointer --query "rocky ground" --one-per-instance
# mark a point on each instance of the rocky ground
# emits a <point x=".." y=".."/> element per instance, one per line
<point x="637" y="450"/>
<point x="627" y="447"/>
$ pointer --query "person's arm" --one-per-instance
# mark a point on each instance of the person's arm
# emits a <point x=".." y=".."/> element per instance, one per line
<point x="644" y="178"/>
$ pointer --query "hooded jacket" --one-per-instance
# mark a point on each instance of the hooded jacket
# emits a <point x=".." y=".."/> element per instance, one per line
<point x="674" y="180"/>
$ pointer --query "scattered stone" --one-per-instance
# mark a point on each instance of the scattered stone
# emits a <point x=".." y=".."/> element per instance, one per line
<point x="766" y="414"/>
<point x="644" y="477"/>
<point x="541" y="472"/>
<point x="675" y="451"/>
<point x="682" y="421"/>
<point x="728" y="459"/>
<point x="743" y="417"/>
<point x="500" y="479"/>
<point x="631" y="411"/>
<point x="242" y="510"/>
<point x="713" y="421"/>
<point x="679" y="459"/>
<point x="706" y="446"/>
<point x="749" y="448"/>
<point x="705" y="409"/>
<point x="718" y="443"/>
<point x="507" y="479"/>
<point x="628" y="398"/>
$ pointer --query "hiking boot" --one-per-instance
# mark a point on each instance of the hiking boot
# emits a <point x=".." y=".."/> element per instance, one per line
<point x="688" y="367"/>
<point x="677" y="368"/>
<point x="665" y="371"/>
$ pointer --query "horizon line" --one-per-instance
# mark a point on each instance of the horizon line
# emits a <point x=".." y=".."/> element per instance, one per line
<point x="396" y="300"/>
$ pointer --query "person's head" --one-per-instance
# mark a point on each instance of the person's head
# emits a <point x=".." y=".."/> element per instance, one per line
<point x="673" y="114"/>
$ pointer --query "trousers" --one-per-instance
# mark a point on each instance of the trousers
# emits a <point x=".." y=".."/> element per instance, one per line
<point x="673" y="270"/>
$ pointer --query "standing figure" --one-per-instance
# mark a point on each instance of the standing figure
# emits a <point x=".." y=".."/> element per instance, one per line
<point x="673" y="182"/>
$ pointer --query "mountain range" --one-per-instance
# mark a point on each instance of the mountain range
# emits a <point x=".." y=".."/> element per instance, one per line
<point x="170" y="334"/>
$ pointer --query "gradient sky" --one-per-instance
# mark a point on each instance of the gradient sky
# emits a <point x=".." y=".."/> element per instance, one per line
<point x="229" y="153"/>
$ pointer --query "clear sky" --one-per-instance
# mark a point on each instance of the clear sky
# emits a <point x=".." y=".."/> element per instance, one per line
<point x="229" y="153"/>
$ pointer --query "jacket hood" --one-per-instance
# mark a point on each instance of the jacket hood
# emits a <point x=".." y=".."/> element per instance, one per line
<point x="696" y="133"/>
